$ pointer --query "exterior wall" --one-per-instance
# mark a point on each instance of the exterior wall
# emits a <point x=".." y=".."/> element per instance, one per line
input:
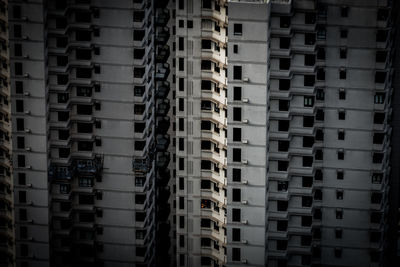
<point x="252" y="55"/>
<point x="32" y="213"/>
<point x="7" y="254"/>
<point x="202" y="197"/>
<point x="119" y="202"/>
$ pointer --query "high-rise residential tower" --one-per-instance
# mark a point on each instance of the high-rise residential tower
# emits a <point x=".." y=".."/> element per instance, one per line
<point x="201" y="83"/>
<point x="7" y="255"/>
<point x="309" y="132"/>
<point x="83" y="111"/>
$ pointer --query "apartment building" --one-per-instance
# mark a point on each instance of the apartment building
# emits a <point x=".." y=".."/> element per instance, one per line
<point x="309" y="132"/>
<point x="82" y="82"/>
<point x="7" y="255"/>
<point x="201" y="172"/>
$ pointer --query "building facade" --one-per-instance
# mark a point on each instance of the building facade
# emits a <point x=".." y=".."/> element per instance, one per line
<point x="327" y="128"/>
<point x="84" y="120"/>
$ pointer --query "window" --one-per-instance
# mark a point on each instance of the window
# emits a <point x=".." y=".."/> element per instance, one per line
<point x="20" y="142"/>
<point x="235" y="49"/>
<point x="17" y="12"/>
<point x="22" y="196"/>
<point x="236" y="215"/>
<point x="309" y="80"/>
<point x="308" y="141"/>
<point x="377" y="178"/>
<point x="282" y="205"/>
<point x="342" y="115"/>
<point x="284" y="105"/>
<point x="309" y="38"/>
<point x="339" y="214"/>
<point x="236" y="195"/>
<point x="84" y="109"/>
<point x="237" y="72"/>
<point x="21" y="160"/>
<point x="309" y="18"/>
<point x="181" y="64"/>
<point x="283" y="186"/>
<point x="236" y="235"/>
<point x="19" y="87"/>
<point x="338" y="252"/>
<point x="343" y="53"/>
<point x="62" y="61"/>
<point x="342" y="74"/>
<point x="18" y="68"/>
<point x="237" y="93"/>
<point x="23" y="214"/>
<point x="283" y="145"/>
<point x="339" y="194"/>
<point x="236" y="254"/>
<point x="283" y="125"/>
<point x="344" y="11"/>
<point x="339" y="174"/>
<point x="181" y="164"/>
<point x="342" y="94"/>
<point x="237" y="134"/>
<point x="308" y="101"/>
<point x="17" y="31"/>
<point x="282" y="225"/>
<point x="284" y="63"/>
<point x="190" y="24"/>
<point x="381" y="35"/>
<point x="19" y="105"/>
<point x="308" y="121"/>
<point x="380" y="77"/>
<point x="22" y="178"/>
<point x="236" y="154"/>
<point x="284" y="21"/>
<point x="343" y="33"/>
<point x="340" y="154"/>
<point x="20" y="124"/>
<point x="307" y="181"/>
<point x="284" y="85"/>
<point x="309" y="60"/>
<point x="307" y="161"/>
<point x="381" y="56"/>
<point x="341" y="134"/>
<point x="236" y="175"/>
<point x="62" y="79"/>
<point x="237" y="29"/>
<point x="18" y="50"/>
<point x="237" y="114"/>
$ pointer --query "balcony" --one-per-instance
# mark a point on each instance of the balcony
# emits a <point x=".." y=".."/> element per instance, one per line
<point x="162" y="53"/>
<point x="141" y="165"/>
<point x="163" y="177"/>
<point x="162" y="35"/>
<point x="89" y="166"/>
<point x="162" y="71"/>
<point x="61" y="172"/>
<point x="162" y="142"/>
<point x="163" y="108"/>
<point x="163" y="124"/>
<point x="163" y="159"/>
<point x="162" y="90"/>
<point x="162" y="17"/>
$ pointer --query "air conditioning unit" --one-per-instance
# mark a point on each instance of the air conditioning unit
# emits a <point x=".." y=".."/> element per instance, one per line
<point x="30" y="203"/>
<point x="30" y="238"/>
<point x="244" y="261"/>
<point x="244" y="241"/>
<point x="244" y="202"/>
<point x="25" y="37"/>
<point x="24" y="18"/>
<point x="28" y="167"/>
<point x="27" y="94"/>
<point x="245" y="182"/>
<point x="26" y="75"/>
<point x="27" y="130"/>
<point x="245" y="222"/>
<point x="28" y="149"/>
<point x="27" y="112"/>
<point x="245" y="141"/>
<point x="245" y="121"/>
<point x="29" y="221"/>
<point x="26" y="56"/>
<point x="29" y="185"/>
<point x="245" y="79"/>
<point x="245" y="162"/>
<point x="245" y="100"/>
